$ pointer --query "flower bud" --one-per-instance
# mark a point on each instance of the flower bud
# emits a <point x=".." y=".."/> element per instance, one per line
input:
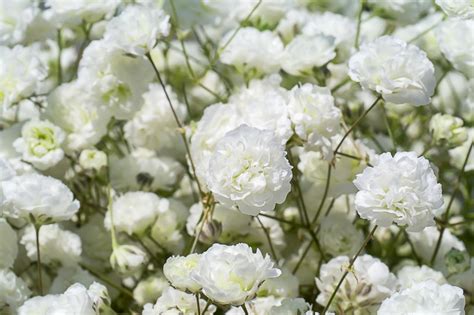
<point x="448" y="130"/>
<point x="128" y="259"/>
<point x="92" y="159"/>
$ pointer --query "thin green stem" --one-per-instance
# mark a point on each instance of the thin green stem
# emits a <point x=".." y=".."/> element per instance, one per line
<point x="60" y="50"/>
<point x="389" y="129"/>
<point x="344" y="275"/>
<point x="295" y="224"/>
<point x="341" y="84"/>
<point x="244" y="308"/>
<point x="105" y="280"/>
<point x="359" y="22"/>
<point x="198" y="305"/>
<point x="417" y="258"/>
<point x="325" y="194"/>
<point x="38" y="258"/>
<point x="451" y="200"/>
<point x="303" y="255"/>
<point x="348" y="132"/>
<point x="269" y="239"/>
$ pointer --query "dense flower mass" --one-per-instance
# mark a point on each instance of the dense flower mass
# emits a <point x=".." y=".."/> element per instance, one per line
<point x="236" y="157"/>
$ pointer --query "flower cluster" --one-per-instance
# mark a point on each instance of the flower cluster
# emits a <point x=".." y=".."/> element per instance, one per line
<point x="238" y="157"/>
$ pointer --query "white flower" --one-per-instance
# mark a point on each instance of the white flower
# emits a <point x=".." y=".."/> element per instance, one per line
<point x="15" y="16"/>
<point x="56" y="245"/>
<point x="133" y="212"/>
<point x="13" y="290"/>
<point x="41" y="197"/>
<point x="409" y="276"/>
<point x="457" y="8"/>
<point x="456" y="47"/>
<point x="67" y="276"/>
<point x="315" y="116"/>
<point x="6" y="170"/>
<point x="458" y="155"/>
<point x="116" y="81"/>
<point x="257" y="306"/>
<point x="72" y="107"/>
<point x="142" y="168"/>
<point x="232" y="274"/>
<point x="40" y="144"/>
<point x="338" y="236"/>
<point x="167" y="229"/>
<point x="425" y="298"/>
<point x="8" y="245"/>
<point x="401" y="189"/>
<point x="404" y="11"/>
<point x="286" y="286"/>
<point x="154" y="126"/>
<point x="177" y="270"/>
<point x="291" y="306"/>
<point x="75" y="299"/>
<point x="252" y="52"/>
<point x="173" y="302"/>
<point x="149" y="289"/>
<point x="92" y="159"/>
<point x="20" y="72"/>
<point x="400" y="72"/>
<point x="248" y="169"/>
<point x="292" y="23"/>
<point x="137" y="29"/>
<point x="128" y="259"/>
<point x="368" y="283"/>
<point x="305" y="52"/>
<point x="447" y="129"/>
<point x="74" y="12"/>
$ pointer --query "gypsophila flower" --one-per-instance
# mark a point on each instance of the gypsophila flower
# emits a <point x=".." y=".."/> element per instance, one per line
<point x="8" y="245"/>
<point x="177" y="270"/>
<point x="14" y="19"/>
<point x="128" y="259"/>
<point x="457" y="8"/>
<point x="137" y="29"/>
<point x="447" y="129"/>
<point x="365" y="287"/>
<point x="338" y="236"/>
<point x="71" y="13"/>
<point x="13" y="290"/>
<point x="91" y="159"/>
<point x="150" y="289"/>
<point x="232" y="274"/>
<point x="425" y="298"/>
<point x="42" y="198"/>
<point x="40" y="144"/>
<point x="400" y="72"/>
<point x="248" y="169"/>
<point x="409" y="276"/>
<point x="402" y="189"/>
<point x="133" y="212"/>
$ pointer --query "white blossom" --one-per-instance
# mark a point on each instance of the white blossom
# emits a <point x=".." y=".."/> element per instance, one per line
<point x="365" y="287"/>
<point x="232" y="274"/>
<point x="15" y="16"/>
<point x="8" y="245"/>
<point x="149" y="289"/>
<point x="128" y="259"/>
<point x="426" y="297"/>
<point x="133" y="212"/>
<point x="40" y="144"/>
<point x="305" y="52"/>
<point x="338" y="236"/>
<point x="409" y="276"/>
<point x="248" y="169"/>
<point x="13" y="290"/>
<point x="177" y="270"/>
<point x="457" y="8"/>
<point x="41" y="197"/>
<point x="400" y="72"/>
<point x="91" y="159"/>
<point x="252" y="52"/>
<point x="458" y="49"/>
<point x="447" y="129"/>
<point x="137" y="29"/>
<point x="74" y="12"/>
<point x="404" y="11"/>
<point x="56" y="245"/>
<point x="401" y="189"/>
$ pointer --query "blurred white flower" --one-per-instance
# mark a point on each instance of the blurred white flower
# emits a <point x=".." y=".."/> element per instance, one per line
<point x="20" y="72"/>
<point x="128" y="259"/>
<point x="76" y="298"/>
<point x="248" y="169"/>
<point x="15" y="16"/>
<point x="338" y="236"/>
<point x="8" y="245"/>
<point x="404" y="11"/>
<point x="315" y="117"/>
<point x="368" y="283"/>
<point x="447" y="129"/>
<point x="173" y="301"/>
<point x="46" y="199"/>
<point x="400" y="72"/>
<point x="13" y="290"/>
<point x="232" y="274"/>
<point x="292" y="306"/>
<point x="56" y="245"/>
<point x="401" y="189"/>
<point x="40" y="144"/>
<point x="458" y="155"/>
<point x="74" y="12"/>
<point x="92" y="159"/>
<point x="304" y="53"/>
<point x="149" y="289"/>
<point x="154" y="126"/>
<point x="252" y="52"/>
<point x="426" y="297"/>
<point x="409" y="276"/>
<point x="457" y="8"/>
<point x="137" y="29"/>
<point x="133" y="212"/>
<point x="456" y="47"/>
<point x="257" y="306"/>
<point x="177" y="270"/>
